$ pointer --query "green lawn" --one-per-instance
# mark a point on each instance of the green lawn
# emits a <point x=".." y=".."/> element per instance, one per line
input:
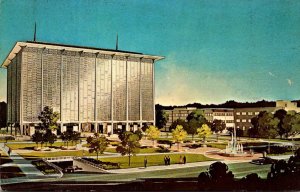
<point x="39" y="154"/>
<point x="138" y="161"/>
<point x="217" y="145"/>
<point x="143" y="150"/>
<point x="15" y="146"/>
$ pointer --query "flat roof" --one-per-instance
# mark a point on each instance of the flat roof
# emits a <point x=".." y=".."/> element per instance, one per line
<point x="38" y="44"/>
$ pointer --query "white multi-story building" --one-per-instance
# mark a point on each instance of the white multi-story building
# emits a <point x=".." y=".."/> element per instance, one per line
<point x="94" y="90"/>
<point x="224" y="114"/>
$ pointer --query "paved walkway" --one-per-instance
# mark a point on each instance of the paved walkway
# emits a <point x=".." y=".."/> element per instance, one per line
<point x="30" y="171"/>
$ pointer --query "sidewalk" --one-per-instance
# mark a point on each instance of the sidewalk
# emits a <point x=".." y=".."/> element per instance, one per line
<point x="30" y="171"/>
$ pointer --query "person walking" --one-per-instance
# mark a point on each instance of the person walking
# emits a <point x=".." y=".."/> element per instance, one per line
<point x="180" y="160"/>
<point x="184" y="159"/>
<point x="169" y="160"/>
<point x="145" y="162"/>
<point x="9" y="151"/>
<point x="166" y="160"/>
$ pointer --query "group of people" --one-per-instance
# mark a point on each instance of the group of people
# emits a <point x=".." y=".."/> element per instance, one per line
<point x="167" y="160"/>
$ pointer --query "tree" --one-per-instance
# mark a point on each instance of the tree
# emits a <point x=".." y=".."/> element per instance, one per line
<point x="217" y="177"/>
<point x="97" y="144"/>
<point x="129" y="145"/>
<point x="37" y="137"/>
<point x="178" y="122"/>
<point x="219" y="173"/>
<point x="287" y="124"/>
<point x="204" y="131"/>
<point x="195" y="120"/>
<point x="197" y="115"/>
<point x="217" y="126"/>
<point x="66" y="137"/>
<point x="139" y="133"/>
<point x="70" y="136"/>
<point x="153" y="133"/>
<point x="295" y="124"/>
<point x="192" y="127"/>
<point x="280" y="114"/>
<point x="49" y="119"/>
<point x="161" y="118"/>
<point x="49" y="137"/>
<point x="74" y="136"/>
<point x="48" y="124"/>
<point x="179" y="134"/>
<point x="253" y="131"/>
<point x="267" y="125"/>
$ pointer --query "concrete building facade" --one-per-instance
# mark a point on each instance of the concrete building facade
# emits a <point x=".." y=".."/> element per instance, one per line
<point x="210" y="114"/>
<point x="178" y="113"/>
<point x="239" y="118"/>
<point x="243" y="116"/>
<point x="224" y="114"/>
<point x="94" y="90"/>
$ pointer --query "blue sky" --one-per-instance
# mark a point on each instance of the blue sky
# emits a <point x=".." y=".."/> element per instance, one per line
<point x="215" y="50"/>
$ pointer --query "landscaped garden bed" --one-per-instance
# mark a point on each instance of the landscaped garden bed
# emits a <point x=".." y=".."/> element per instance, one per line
<point x="44" y="167"/>
<point x="143" y="149"/>
<point x="104" y="165"/>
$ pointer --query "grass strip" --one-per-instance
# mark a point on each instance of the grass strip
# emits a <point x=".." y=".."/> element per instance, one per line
<point x="154" y="160"/>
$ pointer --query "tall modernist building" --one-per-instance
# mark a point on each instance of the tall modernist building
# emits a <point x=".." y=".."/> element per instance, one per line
<point x="94" y="90"/>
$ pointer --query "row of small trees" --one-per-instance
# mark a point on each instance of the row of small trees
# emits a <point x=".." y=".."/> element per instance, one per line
<point x="129" y="143"/>
<point x="45" y="131"/>
<point x="195" y="121"/>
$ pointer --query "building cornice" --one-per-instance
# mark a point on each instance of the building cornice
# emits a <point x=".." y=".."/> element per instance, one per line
<point x="18" y="46"/>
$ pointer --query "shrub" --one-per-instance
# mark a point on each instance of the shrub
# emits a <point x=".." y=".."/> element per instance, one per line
<point x="104" y="165"/>
<point x="9" y="138"/>
<point x="194" y="146"/>
<point x="162" y="149"/>
<point x="44" y="167"/>
<point x="279" y="149"/>
<point x="164" y="142"/>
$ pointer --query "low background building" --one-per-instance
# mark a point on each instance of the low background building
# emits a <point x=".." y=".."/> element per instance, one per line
<point x="239" y="118"/>
<point x="178" y="113"/>
<point x="224" y="114"/>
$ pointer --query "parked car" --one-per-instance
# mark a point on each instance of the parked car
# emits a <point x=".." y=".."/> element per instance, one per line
<point x="72" y="169"/>
<point x="263" y="161"/>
